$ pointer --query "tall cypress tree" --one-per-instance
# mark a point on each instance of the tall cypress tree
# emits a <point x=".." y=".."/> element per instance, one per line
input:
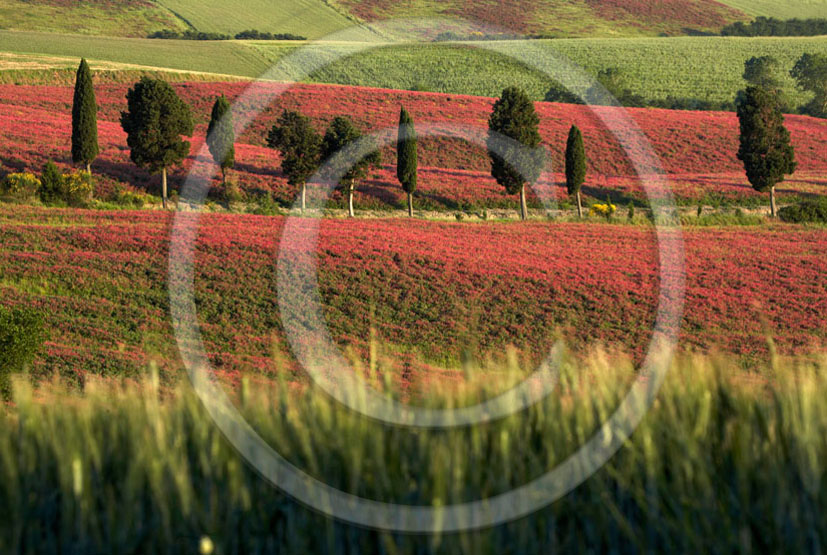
<point x="221" y="136"/>
<point x="575" y="165"/>
<point x="84" y="119"/>
<point x="765" y="143"/>
<point x="154" y="122"/>
<point x="513" y="164"/>
<point x="406" y="158"/>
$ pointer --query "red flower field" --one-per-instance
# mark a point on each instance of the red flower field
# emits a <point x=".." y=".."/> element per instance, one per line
<point x="437" y="288"/>
<point x="696" y="149"/>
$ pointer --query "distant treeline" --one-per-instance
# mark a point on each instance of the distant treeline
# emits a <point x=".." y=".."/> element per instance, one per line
<point x="772" y="27"/>
<point x="251" y="34"/>
<point x="450" y="36"/>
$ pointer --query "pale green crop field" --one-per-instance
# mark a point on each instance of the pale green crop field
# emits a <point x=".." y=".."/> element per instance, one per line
<point x="782" y="9"/>
<point x="87" y="18"/>
<point x="309" y="18"/>
<point x="208" y="56"/>
<point x="706" y="68"/>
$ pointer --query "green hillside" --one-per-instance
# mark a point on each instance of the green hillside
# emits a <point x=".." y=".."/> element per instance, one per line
<point x="131" y="18"/>
<point x="229" y="57"/>
<point x="318" y="18"/>
<point x="309" y="18"/>
<point x="782" y="9"/>
<point x="706" y="68"/>
<point x="564" y="18"/>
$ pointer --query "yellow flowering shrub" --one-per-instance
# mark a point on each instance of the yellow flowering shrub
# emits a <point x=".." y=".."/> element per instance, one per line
<point x="19" y="186"/>
<point x="606" y="210"/>
<point x="77" y="188"/>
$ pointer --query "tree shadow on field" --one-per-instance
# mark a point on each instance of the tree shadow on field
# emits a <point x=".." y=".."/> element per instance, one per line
<point x="125" y="172"/>
<point x="11" y="165"/>
<point x="617" y="197"/>
<point x="243" y="167"/>
<point x="439" y="200"/>
<point x="382" y="191"/>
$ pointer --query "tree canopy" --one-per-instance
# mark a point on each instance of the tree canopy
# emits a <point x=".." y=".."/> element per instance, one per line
<point x="765" y="147"/>
<point x="514" y="165"/>
<point x="154" y="122"/>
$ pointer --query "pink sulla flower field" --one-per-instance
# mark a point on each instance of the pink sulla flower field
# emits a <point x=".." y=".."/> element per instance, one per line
<point x="696" y="149"/>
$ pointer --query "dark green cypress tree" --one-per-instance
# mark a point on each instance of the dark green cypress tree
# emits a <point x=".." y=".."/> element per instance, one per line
<point x="514" y="165"/>
<point x="338" y="136"/>
<point x="154" y="122"/>
<point x="406" y="157"/>
<point x="221" y="136"/>
<point x="300" y="147"/>
<point x="765" y="147"/>
<point x="84" y="119"/>
<point x="575" y="165"/>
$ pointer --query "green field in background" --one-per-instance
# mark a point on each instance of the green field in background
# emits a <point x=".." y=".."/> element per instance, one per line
<point x="706" y="68"/>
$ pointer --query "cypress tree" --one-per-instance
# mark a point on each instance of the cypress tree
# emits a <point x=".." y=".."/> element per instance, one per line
<point x="154" y="122"/>
<point x="338" y="136"/>
<point x="300" y="148"/>
<point x="406" y="158"/>
<point x="514" y="165"/>
<point x="765" y="147"/>
<point x="575" y="165"/>
<point x="84" y="119"/>
<point x="221" y="136"/>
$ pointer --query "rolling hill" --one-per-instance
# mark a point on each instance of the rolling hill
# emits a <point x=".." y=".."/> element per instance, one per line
<point x="704" y="68"/>
<point x="317" y="18"/>
<point x="129" y="18"/>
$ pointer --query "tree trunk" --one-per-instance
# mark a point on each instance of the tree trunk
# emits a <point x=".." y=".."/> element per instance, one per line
<point x="350" y="201"/>
<point x="164" y="187"/>
<point x="523" y="206"/>
<point x="579" y="206"/>
<point x="223" y="175"/>
<point x="773" y="208"/>
<point x="410" y="205"/>
<point x="304" y="196"/>
<point x="89" y="168"/>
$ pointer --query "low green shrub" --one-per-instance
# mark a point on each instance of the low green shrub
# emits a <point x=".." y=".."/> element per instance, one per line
<point x="810" y="211"/>
<point x="21" y="335"/>
<point x="51" y="184"/>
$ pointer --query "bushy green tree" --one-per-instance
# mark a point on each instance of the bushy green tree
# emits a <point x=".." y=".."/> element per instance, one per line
<point x="406" y="156"/>
<point x="575" y="165"/>
<point x="154" y="122"/>
<point x="514" y="165"/>
<point x="221" y="136"/>
<point x="810" y="74"/>
<point x="300" y="147"/>
<point x="765" y="147"/>
<point x="84" y="119"/>
<point x="339" y="135"/>
<point x="21" y="334"/>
